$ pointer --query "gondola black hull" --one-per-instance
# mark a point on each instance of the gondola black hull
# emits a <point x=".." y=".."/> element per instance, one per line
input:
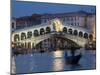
<point x="73" y="59"/>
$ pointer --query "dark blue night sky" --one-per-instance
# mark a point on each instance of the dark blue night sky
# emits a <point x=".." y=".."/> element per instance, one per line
<point x="28" y="8"/>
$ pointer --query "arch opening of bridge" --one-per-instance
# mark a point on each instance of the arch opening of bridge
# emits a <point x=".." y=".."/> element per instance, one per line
<point x="56" y="42"/>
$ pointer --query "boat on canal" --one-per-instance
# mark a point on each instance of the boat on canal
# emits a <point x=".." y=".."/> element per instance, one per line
<point x="73" y="59"/>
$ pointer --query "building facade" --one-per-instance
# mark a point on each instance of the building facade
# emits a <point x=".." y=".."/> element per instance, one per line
<point x="77" y="19"/>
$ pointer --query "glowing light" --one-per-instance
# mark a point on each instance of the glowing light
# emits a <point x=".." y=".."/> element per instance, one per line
<point x="57" y="25"/>
<point x="58" y="53"/>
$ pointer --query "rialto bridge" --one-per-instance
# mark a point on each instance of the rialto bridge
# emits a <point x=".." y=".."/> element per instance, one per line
<point x="29" y="37"/>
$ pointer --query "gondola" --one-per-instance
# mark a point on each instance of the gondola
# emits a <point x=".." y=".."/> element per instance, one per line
<point x="73" y="59"/>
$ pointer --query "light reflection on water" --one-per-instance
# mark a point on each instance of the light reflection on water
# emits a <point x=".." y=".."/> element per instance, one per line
<point x="57" y="63"/>
<point x="58" y="54"/>
<point x="52" y="61"/>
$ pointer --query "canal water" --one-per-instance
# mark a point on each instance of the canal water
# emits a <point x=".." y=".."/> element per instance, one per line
<point x="53" y="61"/>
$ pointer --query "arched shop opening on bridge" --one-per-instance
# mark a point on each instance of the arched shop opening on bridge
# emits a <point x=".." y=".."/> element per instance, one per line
<point x="16" y="37"/>
<point x="80" y="34"/>
<point x="23" y="36"/>
<point x="64" y="29"/>
<point x="36" y="33"/>
<point x="42" y="31"/>
<point x="75" y="32"/>
<point x="48" y="29"/>
<point x="85" y="35"/>
<point x="29" y="34"/>
<point x="70" y="31"/>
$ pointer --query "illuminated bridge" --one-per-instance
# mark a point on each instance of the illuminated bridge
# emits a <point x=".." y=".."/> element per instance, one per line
<point x="31" y="36"/>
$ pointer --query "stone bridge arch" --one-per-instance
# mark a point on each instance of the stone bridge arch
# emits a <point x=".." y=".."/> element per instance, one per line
<point x="78" y="40"/>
